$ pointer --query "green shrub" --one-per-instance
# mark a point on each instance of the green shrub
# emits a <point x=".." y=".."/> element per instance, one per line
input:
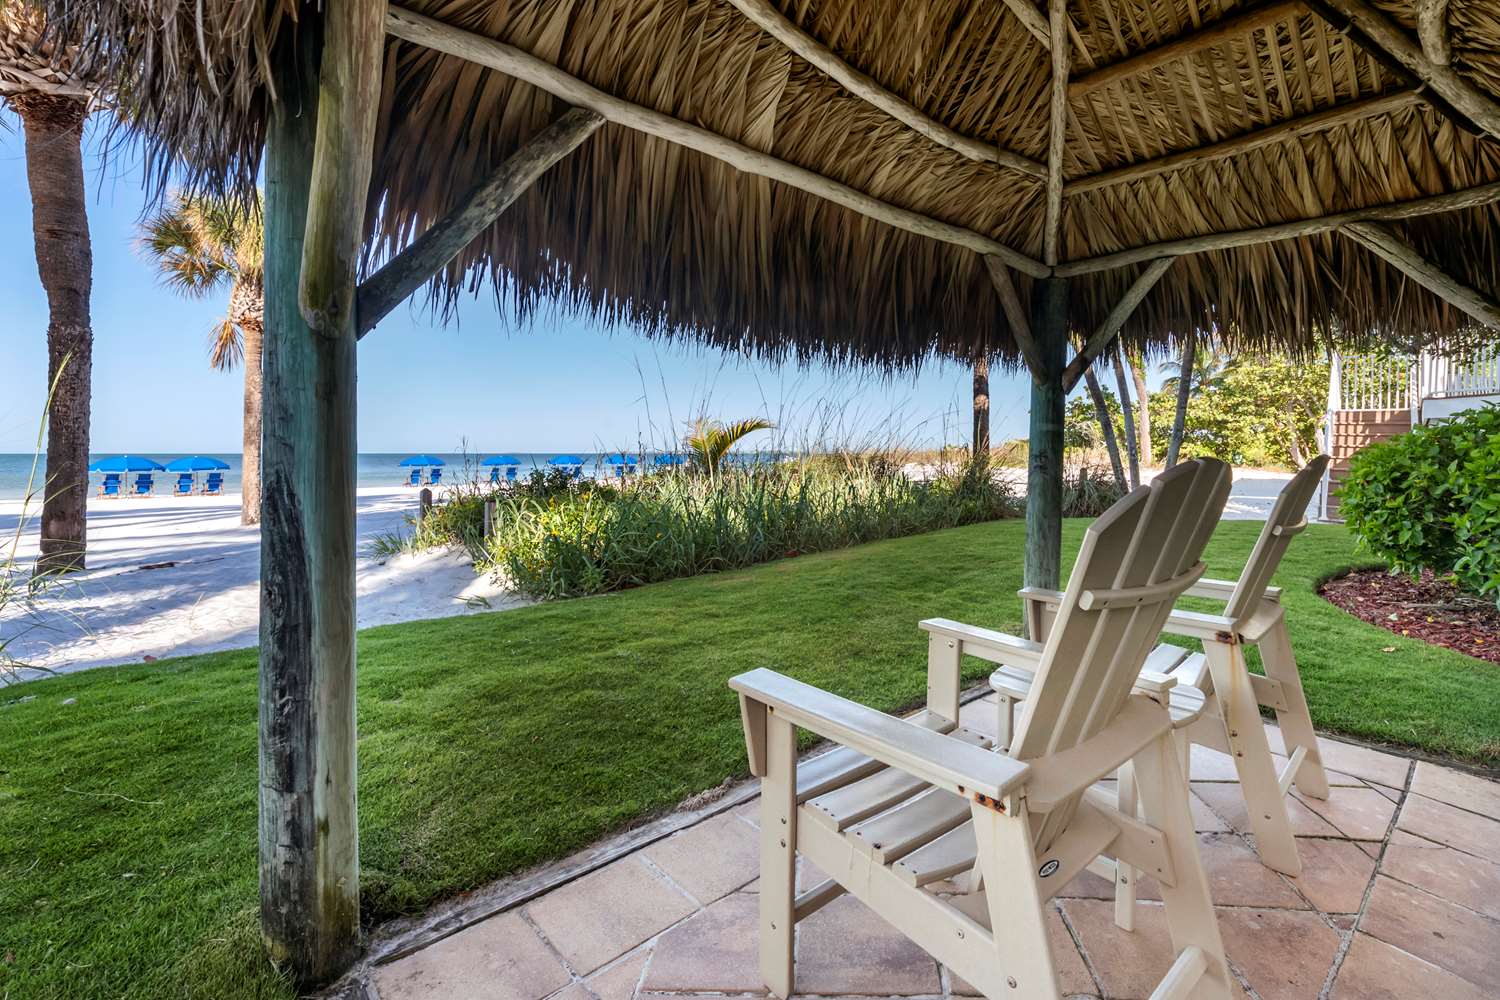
<point x="1430" y="499"/>
<point x="556" y="537"/>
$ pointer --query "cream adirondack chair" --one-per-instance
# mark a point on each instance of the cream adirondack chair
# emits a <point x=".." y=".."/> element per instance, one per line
<point x="903" y="805"/>
<point x="1226" y="716"/>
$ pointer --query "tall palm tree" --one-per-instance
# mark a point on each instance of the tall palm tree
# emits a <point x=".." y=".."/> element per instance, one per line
<point x="199" y="246"/>
<point x="711" y="440"/>
<point x="981" y="454"/>
<point x="38" y="82"/>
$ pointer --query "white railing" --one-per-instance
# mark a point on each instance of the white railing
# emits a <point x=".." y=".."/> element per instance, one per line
<point x="1374" y="383"/>
<point x="1440" y="378"/>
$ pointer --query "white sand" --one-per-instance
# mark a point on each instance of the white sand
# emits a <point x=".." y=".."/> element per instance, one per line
<point x="118" y="612"/>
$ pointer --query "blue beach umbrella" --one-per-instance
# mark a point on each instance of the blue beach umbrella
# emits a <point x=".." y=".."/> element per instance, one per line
<point x="500" y="460"/>
<point x="127" y="463"/>
<point x="620" y="458"/>
<point x="670" y="459"/>
<point x="197" y="463"/>
<point x="565" y="460"/>
<point x="421" y="460"/>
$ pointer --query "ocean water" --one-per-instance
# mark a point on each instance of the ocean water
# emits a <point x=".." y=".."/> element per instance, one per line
<point x="375" y="468"/>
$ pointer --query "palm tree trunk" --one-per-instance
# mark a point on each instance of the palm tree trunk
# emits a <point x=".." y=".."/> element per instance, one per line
<point x="64" y="261"/>
<point x="1143" y="411"/>
<point x="1106" y="426"/>
<point x="1184" y="392"/>
<point x="246" y="310"/>
<point x="982" y="410"/>
<point x="1131" y="450"/>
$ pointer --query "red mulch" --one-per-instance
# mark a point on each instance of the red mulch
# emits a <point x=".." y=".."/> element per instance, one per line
<point x="1429" y="608"/>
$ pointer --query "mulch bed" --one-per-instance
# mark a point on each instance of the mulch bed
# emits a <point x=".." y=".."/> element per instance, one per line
<point x="1428" y="608"/>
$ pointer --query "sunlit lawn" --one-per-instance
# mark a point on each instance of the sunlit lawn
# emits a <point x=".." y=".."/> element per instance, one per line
<point x="492" y="742"/>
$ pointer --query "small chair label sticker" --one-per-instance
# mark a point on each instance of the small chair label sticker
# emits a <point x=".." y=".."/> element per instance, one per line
<point x="1049" y="868"/>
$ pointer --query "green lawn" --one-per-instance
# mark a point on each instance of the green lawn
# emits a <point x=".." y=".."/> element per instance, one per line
<point x="491" y="742"/>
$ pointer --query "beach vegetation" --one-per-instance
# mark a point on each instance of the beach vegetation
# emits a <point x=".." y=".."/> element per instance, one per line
<point x="711" y="440"/>
<point x="489" y="743"/>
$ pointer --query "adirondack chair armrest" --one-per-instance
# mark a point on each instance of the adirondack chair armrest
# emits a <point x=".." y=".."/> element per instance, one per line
<point x="987" y="644"/>
<point x="1042" y="594"/>
<point x="939" y="760"/>
<point x="1199" y="625"/>
<point x="1157" y="685"/>
<point x="1222" y="590"/>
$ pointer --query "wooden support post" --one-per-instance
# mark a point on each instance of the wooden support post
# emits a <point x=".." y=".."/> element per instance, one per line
<point x="1049" y="327"/>
<point x="309" y="843"/>
<point x="1110" y="328"/>
<point x="475" y="212"/>
<point x="1057" y="15"/>
<point x="1390" y="247"/>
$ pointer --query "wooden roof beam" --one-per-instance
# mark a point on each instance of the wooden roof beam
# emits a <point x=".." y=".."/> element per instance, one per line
<point x="1474" y="197"/>
<point x="1015" y="314"/>
<point x="1432" y="29"/>
<point x="1206" y="37"/>
<point x="1318" y="121"/>
<point x="1032" y="19"/>
<point x="1057" y="129"/>
<point x="1397" y="252"/>
<point x="508" y="59"/>
<point x="778" y="26"/>
<point x="1110" y="328"/>
<point x="1370" y="27"/>
<point x="476" y="211"/>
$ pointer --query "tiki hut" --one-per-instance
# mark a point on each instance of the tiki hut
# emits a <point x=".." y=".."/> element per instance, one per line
<point x="862" y="182"/>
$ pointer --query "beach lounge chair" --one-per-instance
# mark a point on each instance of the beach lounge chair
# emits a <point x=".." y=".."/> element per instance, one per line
<point x="184" y="485"/>
<point x="494" y="475"/>
<point x="904" y="805"/>
<point x="510" y="473"/>
<point x="145" y="485"/>
<point x="109" y="486"/>
<point x="435" y="477"/>
<point x="213" y="485"/>
<point x="415" y="479"/>
<point x="1230" y="720"/>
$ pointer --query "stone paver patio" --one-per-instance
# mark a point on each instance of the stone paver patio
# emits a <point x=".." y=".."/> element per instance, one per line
<point x="1399" y="898"/>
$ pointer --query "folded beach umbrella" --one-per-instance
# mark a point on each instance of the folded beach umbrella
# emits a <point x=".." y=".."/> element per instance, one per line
<point x="421" y="460"/>
<point x="500" y="460"/>
<point x="127" y="463"/>
<point x="197" y="463"/>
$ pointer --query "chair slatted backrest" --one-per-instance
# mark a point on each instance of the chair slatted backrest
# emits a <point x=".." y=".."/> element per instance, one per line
<point x="1135" y="561"/>
<point x="1288" y="517"/>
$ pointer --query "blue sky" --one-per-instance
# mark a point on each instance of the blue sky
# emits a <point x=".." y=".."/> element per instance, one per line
<point x="561" y="384"/>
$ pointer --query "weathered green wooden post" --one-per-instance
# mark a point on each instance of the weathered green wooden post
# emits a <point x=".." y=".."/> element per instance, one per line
<point x="309" y="842"/>
<point x="1049" y="328"/>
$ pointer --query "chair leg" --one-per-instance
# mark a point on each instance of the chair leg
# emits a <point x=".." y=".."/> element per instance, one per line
<point x="778" y="856"/>
<point x="1252" y="758"/>
<point x="1007" y="723"/>
<point x="1023" y="953"/>
<point x="1125" y="876"/>
<point x="1188" y="907"/>
<point x="1295" y="721"/>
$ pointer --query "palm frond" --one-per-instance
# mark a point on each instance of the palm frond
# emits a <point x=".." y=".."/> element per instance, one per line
<point x="226" y="346"/>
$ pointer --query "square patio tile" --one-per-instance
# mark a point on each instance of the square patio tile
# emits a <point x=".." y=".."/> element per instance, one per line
<point x="1362" y="762"/>
<point x="1459" y="940"/>
<point x="1452" y="826"/>
<point x="1129" y="963"/>
<point x="846" y="948"/>
<point x="1373" y="970"/>
<point x="1452" y="875"/>
<point x="711" y="859"/>
<point x="1229" y="802"/>
<point x="1284" y="954"/>
<point x="497" y="959"/>
<point x="1235" y="876"/>
<point x="715" y="951"/>
<point x="1357" y="813"/>
<point x="1467" y="791"/>
<point x="607" y="913"/>
<point x="1073" y="976"/>
<point x="620" y="980"/>
<point x="1335" y="873"/>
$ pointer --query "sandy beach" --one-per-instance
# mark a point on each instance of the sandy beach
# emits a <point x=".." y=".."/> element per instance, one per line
<point x="169" y="576"/>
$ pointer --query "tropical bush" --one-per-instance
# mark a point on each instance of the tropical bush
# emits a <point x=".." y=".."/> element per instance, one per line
<point x="1430" y="499"/>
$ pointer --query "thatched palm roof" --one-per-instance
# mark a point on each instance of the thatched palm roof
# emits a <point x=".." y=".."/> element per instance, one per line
<point x="638" y="229"/>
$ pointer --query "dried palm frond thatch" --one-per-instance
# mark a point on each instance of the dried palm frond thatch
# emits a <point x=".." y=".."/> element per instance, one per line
<point x="634" y="229"/>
